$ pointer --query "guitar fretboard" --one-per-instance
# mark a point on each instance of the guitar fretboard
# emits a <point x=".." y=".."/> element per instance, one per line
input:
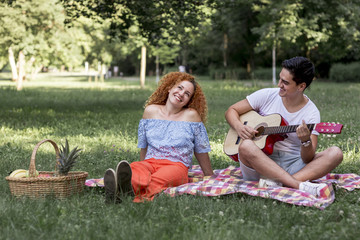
<point x="284" y="129"/>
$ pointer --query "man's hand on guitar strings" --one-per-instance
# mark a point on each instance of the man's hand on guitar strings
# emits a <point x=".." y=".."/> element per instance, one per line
<point x="247" y="132"/>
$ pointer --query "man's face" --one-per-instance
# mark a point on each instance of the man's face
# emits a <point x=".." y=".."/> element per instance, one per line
<point x="286" y="84"/>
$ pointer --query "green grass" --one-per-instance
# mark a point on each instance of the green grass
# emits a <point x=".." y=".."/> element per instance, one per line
<point x="102" y="119"/>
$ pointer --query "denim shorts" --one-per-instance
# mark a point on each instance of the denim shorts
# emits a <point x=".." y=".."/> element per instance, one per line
<point x="289" y="162"/>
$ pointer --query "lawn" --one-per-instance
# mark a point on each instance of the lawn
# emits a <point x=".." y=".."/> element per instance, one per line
<point x="102" y="119"/>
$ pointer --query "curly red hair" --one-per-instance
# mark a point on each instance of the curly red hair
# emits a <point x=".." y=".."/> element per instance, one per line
<point x="197" y="101"/>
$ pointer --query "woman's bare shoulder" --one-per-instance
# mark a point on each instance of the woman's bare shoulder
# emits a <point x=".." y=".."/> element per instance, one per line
<point x="151" y="111"/>
<point x="192" y="115"/>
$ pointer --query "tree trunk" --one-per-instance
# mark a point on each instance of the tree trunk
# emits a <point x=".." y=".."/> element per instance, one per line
<point x="35" y="71"/>
<point x="102" y="72"/>
<point x="274" y="65"/>
<point x="250" y="66"/>
<point x="21" y="76"/>
<point x="143" y="66"/>
<point x="157" y="68"/>
<point x="31" y="63"/>
<point x="225" y="50"/>
<point x="13" y="64"/>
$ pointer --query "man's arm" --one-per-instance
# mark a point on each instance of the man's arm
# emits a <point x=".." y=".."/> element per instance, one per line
<point x="232" y="117"/>
<point x="307" y="151"/>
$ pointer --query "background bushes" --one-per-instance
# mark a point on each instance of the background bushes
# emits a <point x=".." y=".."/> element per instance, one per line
<point x="242" y="74"/>
<point x="340" y="72"/>
<point x="228" y="73"/>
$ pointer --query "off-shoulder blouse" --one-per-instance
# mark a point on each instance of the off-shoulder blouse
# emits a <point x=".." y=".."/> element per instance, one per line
<point x="172" y="140"/>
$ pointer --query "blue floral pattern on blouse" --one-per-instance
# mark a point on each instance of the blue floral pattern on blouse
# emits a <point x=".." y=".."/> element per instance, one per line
<point x="172" y="140"/>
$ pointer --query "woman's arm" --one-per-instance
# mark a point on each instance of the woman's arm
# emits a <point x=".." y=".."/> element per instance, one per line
<point x="204" y="161"/>
<point x="143" y="153"/>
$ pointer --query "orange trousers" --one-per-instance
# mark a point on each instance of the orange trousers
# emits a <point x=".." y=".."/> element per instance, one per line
<point x="152" y="176"/>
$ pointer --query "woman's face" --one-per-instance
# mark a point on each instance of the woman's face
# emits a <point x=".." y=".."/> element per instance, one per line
<point x="181" y="93"/>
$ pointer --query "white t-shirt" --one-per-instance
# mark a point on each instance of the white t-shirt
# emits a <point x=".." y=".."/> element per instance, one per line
<point x="268" y="101"/>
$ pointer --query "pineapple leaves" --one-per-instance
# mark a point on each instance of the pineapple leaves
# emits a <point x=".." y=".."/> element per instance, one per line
<point x="67" y="158"/>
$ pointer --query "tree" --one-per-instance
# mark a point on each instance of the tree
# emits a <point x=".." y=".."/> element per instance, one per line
<point x="165" y="52"/>
<point x="35" y="31"/>
<point x="314" y="27"/>
<point x="96" y="45"/>
<point x="226" y="40"/>
<point x="152" y="17"/>
<point x="156" y="20"/>
<point x="235" y="20"/>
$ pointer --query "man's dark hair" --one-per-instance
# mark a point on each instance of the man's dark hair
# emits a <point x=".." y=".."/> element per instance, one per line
<point x="301" y="68"/>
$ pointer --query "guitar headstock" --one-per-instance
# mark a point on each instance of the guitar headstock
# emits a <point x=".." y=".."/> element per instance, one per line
<point x="329" y="128"/>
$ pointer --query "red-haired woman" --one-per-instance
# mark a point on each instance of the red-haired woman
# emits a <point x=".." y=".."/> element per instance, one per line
<point x="170" y="133"/>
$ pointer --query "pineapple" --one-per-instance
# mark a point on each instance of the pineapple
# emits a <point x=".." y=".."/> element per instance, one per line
<point x="67" y="159"/>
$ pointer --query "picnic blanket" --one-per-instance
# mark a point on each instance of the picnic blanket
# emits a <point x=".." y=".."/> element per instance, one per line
<point x="229" y="181"/>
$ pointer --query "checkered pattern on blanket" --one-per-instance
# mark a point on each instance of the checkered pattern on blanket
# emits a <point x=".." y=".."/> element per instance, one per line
<point x="229" y="180"/>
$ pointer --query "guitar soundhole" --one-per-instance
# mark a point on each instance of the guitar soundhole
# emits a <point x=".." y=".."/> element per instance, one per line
<point x="260" y="130"/>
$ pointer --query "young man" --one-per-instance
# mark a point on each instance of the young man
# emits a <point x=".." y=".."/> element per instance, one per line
<point x="294" y="161"/>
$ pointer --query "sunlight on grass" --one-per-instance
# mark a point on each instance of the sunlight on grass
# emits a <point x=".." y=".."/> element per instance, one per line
<point x="69" y="81"/>
<point x="352" y="152"/>
<point x="102" y="119"/>
<point x="69" y="85"/>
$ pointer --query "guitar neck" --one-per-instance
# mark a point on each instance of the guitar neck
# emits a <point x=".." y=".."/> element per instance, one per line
<point x="284" y="129"/>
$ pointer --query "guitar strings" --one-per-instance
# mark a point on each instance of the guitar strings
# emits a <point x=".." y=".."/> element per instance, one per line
<point x="284" y="129"/>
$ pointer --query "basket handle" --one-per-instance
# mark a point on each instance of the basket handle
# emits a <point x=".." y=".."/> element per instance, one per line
<point x="32" y="167"/>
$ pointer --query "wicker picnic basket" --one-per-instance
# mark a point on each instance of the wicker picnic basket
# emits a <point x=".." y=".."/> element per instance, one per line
<point x="47" y="184"/>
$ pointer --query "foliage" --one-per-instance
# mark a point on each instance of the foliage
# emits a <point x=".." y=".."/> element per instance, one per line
<point x="345" y="72"/>
<point x="153" y="17"/>
<point x="313" y="25"/>
<point x="162" y="24"/>
<point x="103" y="118"/>
<point x="200" y="34"/>
<point x="235" y="19"/>
<point x="36" y="28"/>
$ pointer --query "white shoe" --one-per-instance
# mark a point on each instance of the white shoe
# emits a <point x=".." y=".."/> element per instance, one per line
<point x="263" y="183"/>
<point x="312" y="188"/>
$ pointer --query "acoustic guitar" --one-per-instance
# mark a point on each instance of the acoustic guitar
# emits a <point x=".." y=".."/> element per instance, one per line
<point x="271" y="129"/>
